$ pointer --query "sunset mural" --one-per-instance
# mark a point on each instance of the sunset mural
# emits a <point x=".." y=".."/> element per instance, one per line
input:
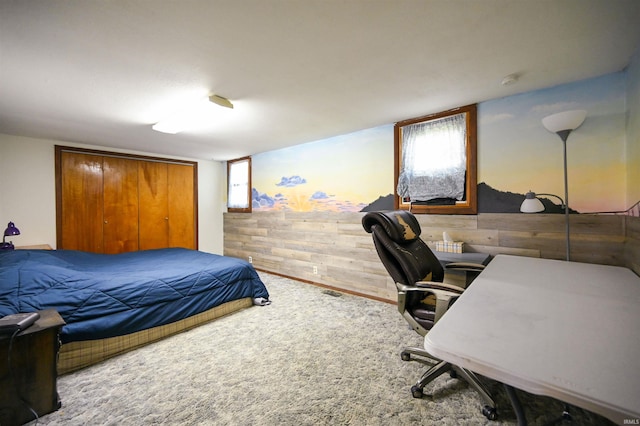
<point x="515" y="154"/>
<point x="344" y="173"/>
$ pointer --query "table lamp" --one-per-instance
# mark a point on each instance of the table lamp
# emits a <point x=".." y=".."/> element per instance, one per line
<point x="11" y="230"/>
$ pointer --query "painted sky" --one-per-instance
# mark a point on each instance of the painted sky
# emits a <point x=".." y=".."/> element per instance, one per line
<point x="517" y="154"/>
<point x="344" y="173"/>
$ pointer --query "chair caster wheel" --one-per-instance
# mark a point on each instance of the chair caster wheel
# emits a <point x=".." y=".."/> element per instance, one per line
<point x="416" y="392"/>
<point x="490" y="412"/>
<point x="453" y="374"/>
<point x="406" y="356"/>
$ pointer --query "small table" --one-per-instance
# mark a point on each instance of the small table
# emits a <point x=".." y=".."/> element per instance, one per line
<point x="468" y="257"/>
<point x="567" y="330"/>
<point x="33" y="363"/>
<point x="459" y="277"/>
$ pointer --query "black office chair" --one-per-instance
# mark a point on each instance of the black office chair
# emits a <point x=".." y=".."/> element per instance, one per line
<point x="422" y="297"/>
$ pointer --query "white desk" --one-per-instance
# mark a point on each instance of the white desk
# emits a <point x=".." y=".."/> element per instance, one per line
<point x="563" y="329"/>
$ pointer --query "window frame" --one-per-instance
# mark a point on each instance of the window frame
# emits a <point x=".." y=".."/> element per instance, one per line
<point x="470" y="204"/>
<point x="230" y="164"/>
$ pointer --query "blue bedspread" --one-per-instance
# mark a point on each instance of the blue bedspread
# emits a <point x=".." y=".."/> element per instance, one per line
<point x="101" y="295"/>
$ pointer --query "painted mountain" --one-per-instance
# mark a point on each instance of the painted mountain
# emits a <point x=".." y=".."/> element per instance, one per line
<point x="491" y="200"/>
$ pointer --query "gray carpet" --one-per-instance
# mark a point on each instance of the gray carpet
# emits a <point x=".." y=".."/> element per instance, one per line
<point x="312" y="357"/>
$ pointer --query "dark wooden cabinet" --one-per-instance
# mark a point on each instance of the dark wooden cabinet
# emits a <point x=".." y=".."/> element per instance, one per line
<point x="116" y="203"/>
<point x="32" y="376"/>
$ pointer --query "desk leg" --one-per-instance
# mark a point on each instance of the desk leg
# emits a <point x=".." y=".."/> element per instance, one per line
<point x="566" y="417"/>
<point x="517" y="407"/>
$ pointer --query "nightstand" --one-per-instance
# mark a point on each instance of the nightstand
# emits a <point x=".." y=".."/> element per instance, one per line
<point x="35" y="247"/>
<point x="33" y="362"/>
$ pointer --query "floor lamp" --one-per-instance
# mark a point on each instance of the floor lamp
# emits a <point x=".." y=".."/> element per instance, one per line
<point x="562" y="123"/>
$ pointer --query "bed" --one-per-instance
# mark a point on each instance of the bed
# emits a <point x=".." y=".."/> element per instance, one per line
<point x="115" y="303"/>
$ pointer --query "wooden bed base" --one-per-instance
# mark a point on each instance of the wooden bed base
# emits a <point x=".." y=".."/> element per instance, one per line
<point x="76" y="355"/>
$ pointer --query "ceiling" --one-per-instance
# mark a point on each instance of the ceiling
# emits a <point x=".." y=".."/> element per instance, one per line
<point x="102" y="72"/>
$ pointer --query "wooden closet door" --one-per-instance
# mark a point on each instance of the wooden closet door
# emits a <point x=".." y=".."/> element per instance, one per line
<point x="181" y="206"/>
<point x="120" y="205"/>
<point x="153" y="205"/>
<point x="112" y="203"/>
<point x="81" y="219"/>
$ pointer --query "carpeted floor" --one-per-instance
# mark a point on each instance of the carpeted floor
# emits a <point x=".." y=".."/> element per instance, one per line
<point x="312" y="357"/>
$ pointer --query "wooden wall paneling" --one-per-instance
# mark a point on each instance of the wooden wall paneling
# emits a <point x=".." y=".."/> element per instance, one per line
<point x="522" y="222"/>
<point x="80" y="215"/>
<point x="291" y="243"/>
<point x="154" y="205"/>
<point x="603" y="249"/>
<point x="632" y="243"/>
<point x="182" y="220"/>
<point x="496" y="249"/>
<point x="590" y="224"/>
<point x="120" y="205"/>
<point x="448" y="222"/>
<point x="594" y="238"/>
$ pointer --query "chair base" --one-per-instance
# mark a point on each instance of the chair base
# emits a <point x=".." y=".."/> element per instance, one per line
<point x="440" y="367"/>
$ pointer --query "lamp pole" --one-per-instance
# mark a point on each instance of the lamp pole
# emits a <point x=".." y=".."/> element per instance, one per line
<point x="564" y="134"/>
<point x="562" y="124"/>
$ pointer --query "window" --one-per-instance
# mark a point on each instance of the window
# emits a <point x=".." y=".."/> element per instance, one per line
<point x="435" y="163"/>
<point x="239" y="185"/>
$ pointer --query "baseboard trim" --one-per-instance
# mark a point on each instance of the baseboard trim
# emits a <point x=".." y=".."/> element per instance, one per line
<point x="330" y="287"/>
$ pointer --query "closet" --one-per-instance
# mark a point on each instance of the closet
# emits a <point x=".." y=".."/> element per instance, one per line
<point x="113" y="203"/>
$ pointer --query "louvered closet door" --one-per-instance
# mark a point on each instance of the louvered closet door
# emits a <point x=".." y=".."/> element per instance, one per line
<point x="154" y="205"/>
<point x="181" y="202"/>
<point x="120" y="205"/>
<point x="81" y="202"/>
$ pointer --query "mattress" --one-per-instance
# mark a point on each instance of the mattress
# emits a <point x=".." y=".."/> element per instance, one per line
<point x="106" y="295"/>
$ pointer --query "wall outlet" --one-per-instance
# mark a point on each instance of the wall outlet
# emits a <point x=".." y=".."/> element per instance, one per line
<point x="250" y="259"/>
<point x="315" y="270"/>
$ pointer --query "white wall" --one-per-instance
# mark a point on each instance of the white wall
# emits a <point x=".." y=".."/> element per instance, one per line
<point x="633" y="130"/>
<point x="27" y="192"/>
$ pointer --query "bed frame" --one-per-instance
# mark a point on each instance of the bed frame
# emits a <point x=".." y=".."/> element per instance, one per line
<point x="76" y="355"/>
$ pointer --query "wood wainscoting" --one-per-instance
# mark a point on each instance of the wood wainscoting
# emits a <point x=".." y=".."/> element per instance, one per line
<point x="337" y="247"/>
<point x="632" y="244"/>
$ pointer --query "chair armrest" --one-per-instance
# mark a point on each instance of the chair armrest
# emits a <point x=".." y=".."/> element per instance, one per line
<point x="431" y="285"/>
<point x="465" y="266"/>
<point x="443" y="292"/>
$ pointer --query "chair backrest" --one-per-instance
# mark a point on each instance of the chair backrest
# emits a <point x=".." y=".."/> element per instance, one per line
<point x="396" y="236"/>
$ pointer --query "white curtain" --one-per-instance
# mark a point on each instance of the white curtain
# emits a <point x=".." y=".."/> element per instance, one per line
<point x="434" y="159"/>
<point x="238" y="185"/>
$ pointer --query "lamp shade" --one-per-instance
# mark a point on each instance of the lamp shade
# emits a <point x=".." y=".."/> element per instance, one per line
<point x="11" y="230"/>
<point x="531" y="204"/>
<point x="567" y="120"/>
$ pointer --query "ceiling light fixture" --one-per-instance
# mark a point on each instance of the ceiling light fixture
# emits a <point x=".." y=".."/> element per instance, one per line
<point x="219" y="100"/>
<point x="192" y="116"/>
<point x="509" y="79"/>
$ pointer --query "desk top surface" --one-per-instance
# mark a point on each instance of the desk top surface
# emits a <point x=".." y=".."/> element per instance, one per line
<point x="470" y="257"/>
<point x="568" y="330"/>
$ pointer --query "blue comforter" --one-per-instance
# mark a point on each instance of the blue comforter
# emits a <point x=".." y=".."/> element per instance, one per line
<point x="101" y="295"/>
